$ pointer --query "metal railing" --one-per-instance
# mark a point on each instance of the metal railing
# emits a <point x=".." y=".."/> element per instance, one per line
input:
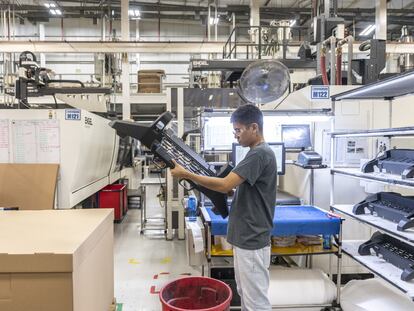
<point x="259" y="41"/>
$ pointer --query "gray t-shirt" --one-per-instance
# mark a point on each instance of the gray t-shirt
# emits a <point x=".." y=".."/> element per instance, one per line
<point x="253" y="205"/>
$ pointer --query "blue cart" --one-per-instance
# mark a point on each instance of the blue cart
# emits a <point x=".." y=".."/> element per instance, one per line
<point x="288" y="220"/>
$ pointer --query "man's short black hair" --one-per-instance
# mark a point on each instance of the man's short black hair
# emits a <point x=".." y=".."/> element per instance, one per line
<point x="248" y="114"/>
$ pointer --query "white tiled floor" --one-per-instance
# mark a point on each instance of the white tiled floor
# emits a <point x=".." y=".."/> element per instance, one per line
<point x="138" y="258"/>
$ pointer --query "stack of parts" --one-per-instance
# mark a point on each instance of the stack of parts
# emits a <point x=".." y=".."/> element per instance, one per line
<point x="134" y="202"/>
<point x="284" y="241"/>
<point x="150" y="81"/>
<point x="372" y="295"/>
<point x="309" y="240"/>
<point x="288" y="287"/>
<point x="222" y="241"/>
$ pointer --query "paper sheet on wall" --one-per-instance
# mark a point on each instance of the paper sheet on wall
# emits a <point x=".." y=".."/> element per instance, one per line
<point x="24" y="141"/>
<point x="349" y="150"/>
<point x="4" y="141"/>
<point x="36" y="141"/>
<point x="48" y="141"/>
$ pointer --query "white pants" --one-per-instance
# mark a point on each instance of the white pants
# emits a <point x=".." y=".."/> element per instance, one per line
<point x="251" y="269"/>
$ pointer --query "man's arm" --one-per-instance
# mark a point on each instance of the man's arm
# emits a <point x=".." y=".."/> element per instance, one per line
<point x="223" y="185"/>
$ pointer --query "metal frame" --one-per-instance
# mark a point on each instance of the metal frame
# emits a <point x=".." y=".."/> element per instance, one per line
<point x="338" y="239"/>
<point x="144" y="219"/>
<point x="381" y="178"/>
<point x="241" y="64"/>
<point x="387" y="89"/>
<point x="233" y="42"/>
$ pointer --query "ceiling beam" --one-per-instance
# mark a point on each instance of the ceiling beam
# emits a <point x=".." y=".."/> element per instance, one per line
<point x="111" y="47"/>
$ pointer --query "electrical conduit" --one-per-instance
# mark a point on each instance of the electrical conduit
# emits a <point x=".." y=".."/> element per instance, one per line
<point x="323" y="67"/>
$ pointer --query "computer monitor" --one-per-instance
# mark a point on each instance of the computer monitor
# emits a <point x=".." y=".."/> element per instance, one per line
<point x="239" y="152"/>
<point x="218" y="133"/>
<point x="296" y="136"/>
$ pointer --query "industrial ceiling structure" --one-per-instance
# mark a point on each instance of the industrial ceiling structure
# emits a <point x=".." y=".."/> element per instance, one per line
<point x="357" y="14"/>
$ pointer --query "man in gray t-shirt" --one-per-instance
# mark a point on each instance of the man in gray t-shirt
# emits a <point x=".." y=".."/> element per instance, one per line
<point x="253" y="205"/>
<point x="251" y="213"/>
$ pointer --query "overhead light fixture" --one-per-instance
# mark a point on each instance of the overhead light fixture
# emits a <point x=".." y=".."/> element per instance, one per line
<point x="292" y="23"/>
<point x="50" y="5"/>
<point x="367" y="31"/>
<point x="53" y="8"/>
<point x="134" y="13"/>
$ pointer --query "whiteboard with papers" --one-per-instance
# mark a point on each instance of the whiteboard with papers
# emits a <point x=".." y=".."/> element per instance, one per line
<point x="29" y="141"/>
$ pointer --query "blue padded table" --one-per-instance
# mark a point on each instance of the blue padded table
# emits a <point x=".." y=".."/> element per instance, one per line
<point x="288" y="220"/>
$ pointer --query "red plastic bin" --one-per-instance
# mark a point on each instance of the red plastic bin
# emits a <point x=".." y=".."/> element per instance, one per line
<point x="114" y="196"/>
<point x="196" y="293"/>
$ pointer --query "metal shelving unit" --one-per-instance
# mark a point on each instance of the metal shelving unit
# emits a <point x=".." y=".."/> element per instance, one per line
<point x="380" y="267"/>
<point x="376" y="265"/>
<point x="386" y="89"/>
<point x="377" y="222"/>
<point x="378" y="177"/>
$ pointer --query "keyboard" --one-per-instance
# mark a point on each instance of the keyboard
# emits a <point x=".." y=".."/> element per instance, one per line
<point x="166" y="146"/>
<point x="394" y="161"/>
<point x="391" y="206"/>
<point x="393" y="251"/>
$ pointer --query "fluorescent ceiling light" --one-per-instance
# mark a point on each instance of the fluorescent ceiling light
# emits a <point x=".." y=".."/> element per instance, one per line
<point x="47" y="5"/>
<point x="58" y="12"/>
<point x="134" y="13"/>
<point x="53" y="12"/>
<point x="292" y="23"/>
<point x="368" y="30"/>
<point x="52" y="5"/>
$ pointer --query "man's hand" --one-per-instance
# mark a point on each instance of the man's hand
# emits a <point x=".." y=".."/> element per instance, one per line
<point x="179" y="171"/>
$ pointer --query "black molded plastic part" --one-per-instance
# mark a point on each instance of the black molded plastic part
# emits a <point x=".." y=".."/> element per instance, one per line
<point x="391" y="206"/>
<point x="394" y="161"/>
<point x="393" y="251"/>
<point x="152" y="137"/>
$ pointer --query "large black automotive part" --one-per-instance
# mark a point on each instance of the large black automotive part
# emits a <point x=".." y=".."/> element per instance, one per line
<point x="165" y="145"/>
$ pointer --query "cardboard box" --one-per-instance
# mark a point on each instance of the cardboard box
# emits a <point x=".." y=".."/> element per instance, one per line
<point x="150" y="81"/>
<point x="56" y="260"/>
<point x="28" y="186"/>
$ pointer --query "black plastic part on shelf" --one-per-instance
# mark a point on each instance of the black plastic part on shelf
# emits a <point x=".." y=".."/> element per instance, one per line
<point x="346" y="277"/>
<point x="394" y="161"/>
<point x="393" y="251"/>
<point x="391" y="206"/>
<point x="167" y="147"/>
